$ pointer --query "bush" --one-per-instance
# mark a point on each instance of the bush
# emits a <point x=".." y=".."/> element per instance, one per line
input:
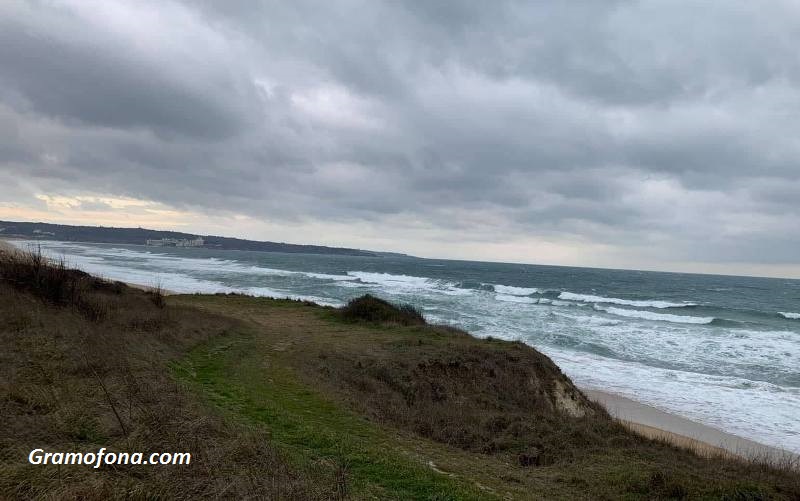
<point x="54" y="283"/>
<point x="372" y="309"/>
<point x="157" y="296"/>
<point x="51" y="281"/>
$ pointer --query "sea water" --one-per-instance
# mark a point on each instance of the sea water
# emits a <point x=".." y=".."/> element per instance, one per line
<point x="721" y="350"/>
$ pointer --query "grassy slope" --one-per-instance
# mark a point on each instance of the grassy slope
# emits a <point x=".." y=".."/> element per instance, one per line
<point x="283" y="400"/>
<point x="93" y="371"/>
<point x="279" y="373"/>
<point x="310" y="428"/>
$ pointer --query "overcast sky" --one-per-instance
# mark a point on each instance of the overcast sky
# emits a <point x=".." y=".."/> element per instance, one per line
<point x="631" y="134"/>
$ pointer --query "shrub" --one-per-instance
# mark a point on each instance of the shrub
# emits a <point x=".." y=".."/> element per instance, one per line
<point x="372" y="309"/>
<point x="52" y="281"/>
<point x="157" y="296"/>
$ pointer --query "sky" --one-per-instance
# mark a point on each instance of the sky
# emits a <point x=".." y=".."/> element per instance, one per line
<point x="627" y="134"/>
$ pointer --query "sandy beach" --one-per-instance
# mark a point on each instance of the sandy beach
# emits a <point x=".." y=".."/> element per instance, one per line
<point x="706" y="440"/>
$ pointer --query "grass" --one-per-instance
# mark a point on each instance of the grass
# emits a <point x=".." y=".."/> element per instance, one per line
<point x="279" y="399"/>
<point x="75" y="382"/>
<point x="399" y="376"/>
<point x="309" y="427"/>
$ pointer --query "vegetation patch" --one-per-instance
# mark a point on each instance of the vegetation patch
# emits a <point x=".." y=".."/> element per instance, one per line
<point x="372" y="309"/>
<point x="73" y="382"/>
<point x="252" y="384"/>
<point x="492" y="414"/>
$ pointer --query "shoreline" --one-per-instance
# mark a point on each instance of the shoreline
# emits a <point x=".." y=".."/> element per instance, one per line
<point x="641" y="418"/>
<point x="705" y="440"/>
<point x="5" y="246"/>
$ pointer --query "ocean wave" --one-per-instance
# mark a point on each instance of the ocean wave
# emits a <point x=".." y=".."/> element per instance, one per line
<point x="515" y="299"/>
<point x="790" y="315"/>
<point x="515" y="291"/>
<point x="389" y="280"/>
<point x="407" y="283"/>
<point x="326" y="276"/>
<point x="588" y="298"/>
<point x="556" y="302"/>
<point x="649" y="315"/>
<point x="712" y="400"/>
<point x="272" y="293"/>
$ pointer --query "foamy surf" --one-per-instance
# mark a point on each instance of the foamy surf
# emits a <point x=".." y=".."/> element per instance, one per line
<point x="658" y="317"/>
<point x="789" y="315"/>
<point x="515" y="291"/>
<point x="649" y="303"/>
<point x="408" y="283"/>
<point x="508" y="298"/>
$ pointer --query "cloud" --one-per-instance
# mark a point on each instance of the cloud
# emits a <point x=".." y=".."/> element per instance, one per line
<point x="645" y="131"/>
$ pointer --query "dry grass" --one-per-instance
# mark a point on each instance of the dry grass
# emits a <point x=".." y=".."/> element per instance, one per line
<point x="85" y="364"/>
<point x="472" y="396"/>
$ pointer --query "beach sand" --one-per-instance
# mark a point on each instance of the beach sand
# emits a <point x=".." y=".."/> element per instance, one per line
<point x="705" y="440"/>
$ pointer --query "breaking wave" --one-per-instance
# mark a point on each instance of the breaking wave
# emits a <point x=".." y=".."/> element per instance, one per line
<point x="588" y="298"/>
<point x="649" y="315"/>
<point x="515" y="291"/>
<point x="407" y="283"/>
<point x="789" y="315"/>
<point x="515" y="299"/>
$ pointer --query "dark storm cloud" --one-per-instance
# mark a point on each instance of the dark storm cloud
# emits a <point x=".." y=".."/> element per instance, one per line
<point x="89" y="75"/>
<point x="631" y="123"/>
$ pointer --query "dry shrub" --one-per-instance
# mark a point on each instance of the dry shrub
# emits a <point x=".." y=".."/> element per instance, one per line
<point x="54" y="283"/>
<point x="372" y="309"/>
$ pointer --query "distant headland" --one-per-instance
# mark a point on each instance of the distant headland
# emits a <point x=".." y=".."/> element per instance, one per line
<point x="144" y="236"/>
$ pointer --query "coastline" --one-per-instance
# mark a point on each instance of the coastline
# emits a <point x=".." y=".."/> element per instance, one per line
<point x="654" y="423"/>
<point x="5" y="246"/>
<point x="641" y="418"/>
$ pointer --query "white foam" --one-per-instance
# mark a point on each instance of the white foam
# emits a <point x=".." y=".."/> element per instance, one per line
<point x="649" y="315"/>
<point x="335" y="278"/>
<point x="789" y="315"/>
<point x="588" y="298"/>
<point x="515" y="299"/>
<point x="266" y="292"/>
<point x="175" y="281"/>
<point x="389" y="280"/>
<point x="405" y="284"/>
<point x="771" y="410"/>
<point x="515" y="291"/>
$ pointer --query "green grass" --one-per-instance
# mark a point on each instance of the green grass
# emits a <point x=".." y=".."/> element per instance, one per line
<point x="248" y="384"/>
<point x="333" y="392"/>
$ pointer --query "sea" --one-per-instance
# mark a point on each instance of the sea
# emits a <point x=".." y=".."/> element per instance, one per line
<point x="720" y="350"/>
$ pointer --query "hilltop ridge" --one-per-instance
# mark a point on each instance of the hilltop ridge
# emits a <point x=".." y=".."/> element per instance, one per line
<point x="138" y="236"/>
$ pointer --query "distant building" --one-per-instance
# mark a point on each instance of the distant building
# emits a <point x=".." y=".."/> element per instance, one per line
<point x="175" y="242"/>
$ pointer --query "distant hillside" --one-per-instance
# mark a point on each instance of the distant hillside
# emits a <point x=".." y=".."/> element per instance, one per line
<point x="138" y="236"/>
